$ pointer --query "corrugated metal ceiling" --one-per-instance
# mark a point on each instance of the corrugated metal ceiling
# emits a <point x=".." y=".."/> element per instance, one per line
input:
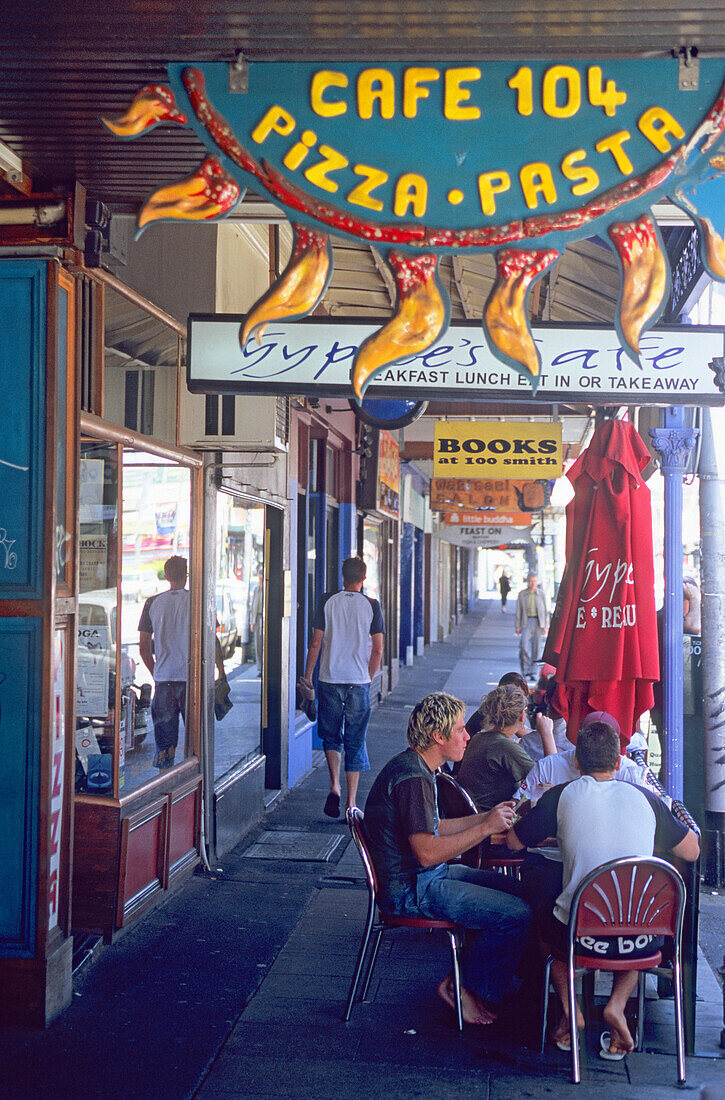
<point x="63" y="65"/>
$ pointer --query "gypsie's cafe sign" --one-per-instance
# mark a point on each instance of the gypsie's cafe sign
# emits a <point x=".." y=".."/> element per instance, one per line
<point x="579" y="364"/>
<point x="425" y="159"/>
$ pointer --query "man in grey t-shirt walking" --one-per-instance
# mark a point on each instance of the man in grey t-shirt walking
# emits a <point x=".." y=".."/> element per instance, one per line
<point x="164" y="648"/>
<point x="348" y="631"/>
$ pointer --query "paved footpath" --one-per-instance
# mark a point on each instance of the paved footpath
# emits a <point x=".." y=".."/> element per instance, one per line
<point x="236" y="986"/>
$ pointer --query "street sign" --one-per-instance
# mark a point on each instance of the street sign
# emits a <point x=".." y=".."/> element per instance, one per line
<point x="499" y="494"/>
<point x="511" y="449"/>
<point x="584" y="364"/>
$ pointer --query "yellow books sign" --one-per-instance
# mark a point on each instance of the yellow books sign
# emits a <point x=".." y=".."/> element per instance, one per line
<point x="518" y="449"/>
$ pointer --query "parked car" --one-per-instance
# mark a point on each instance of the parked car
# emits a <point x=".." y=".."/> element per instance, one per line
<point x="226" y="623"/>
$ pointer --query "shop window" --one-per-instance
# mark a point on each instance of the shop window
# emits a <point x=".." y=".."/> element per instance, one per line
<point x="332" y="562"/>
<point x="371" y="556"/>
<point x="141" y="356"/>
<point x="100" y="664"/>
<point x="139" y="401"/>
<point x="241" y="628"/>
<point x="123" y="550"/>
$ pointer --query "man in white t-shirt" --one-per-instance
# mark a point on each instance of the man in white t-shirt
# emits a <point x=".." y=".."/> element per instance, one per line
<point x="164" y="648"/>
<point x="596" y="820"/>
<point x="348" y="632"/>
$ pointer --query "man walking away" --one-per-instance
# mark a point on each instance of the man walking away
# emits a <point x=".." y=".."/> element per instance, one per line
<point x="530" y="622"/>
<point x="164" y="648"/>
<point x="348" y="631"/>
<point x="504" y="587"/>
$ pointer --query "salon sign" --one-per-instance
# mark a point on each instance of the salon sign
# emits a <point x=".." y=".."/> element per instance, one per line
<point x="423" y="159"/>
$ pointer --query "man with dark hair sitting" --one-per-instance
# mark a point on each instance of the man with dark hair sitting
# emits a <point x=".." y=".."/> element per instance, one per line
<point x="410" y="846"/>
<point x="596" y="820"/>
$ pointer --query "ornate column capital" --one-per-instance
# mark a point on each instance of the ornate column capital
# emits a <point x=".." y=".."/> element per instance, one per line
<point x="673" y="446"/>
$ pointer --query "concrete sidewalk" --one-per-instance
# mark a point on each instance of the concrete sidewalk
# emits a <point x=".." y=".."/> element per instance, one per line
<point x="236" y="986"/>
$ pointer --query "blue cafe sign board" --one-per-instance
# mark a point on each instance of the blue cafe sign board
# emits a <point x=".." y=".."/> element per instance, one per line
<point x="515" y="159"/>
<point x="678" y="365"/>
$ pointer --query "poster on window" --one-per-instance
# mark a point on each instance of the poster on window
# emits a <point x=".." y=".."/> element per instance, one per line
<point x="94" y="670"/>
<point x="93" y="565"/>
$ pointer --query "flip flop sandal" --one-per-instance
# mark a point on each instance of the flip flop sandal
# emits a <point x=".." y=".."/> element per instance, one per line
<point x="332" y="805"/>
<point x="564" y="1044"/>
<point x="605" y="1051"/>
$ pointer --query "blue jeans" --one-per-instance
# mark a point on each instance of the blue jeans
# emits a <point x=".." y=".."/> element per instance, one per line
<point x="343" y="713"/>
<point x="487" y="905"/>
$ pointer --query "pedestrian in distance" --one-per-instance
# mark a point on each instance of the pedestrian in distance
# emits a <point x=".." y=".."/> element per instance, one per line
<point x="164" y="648"/>
<point x="504" y="587"/>
<point x="530" y="623"/>
<point x="347" y="637"/>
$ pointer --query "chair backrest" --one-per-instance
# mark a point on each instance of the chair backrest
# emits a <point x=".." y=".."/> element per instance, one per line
<point x="453" y="800"/>
<point x="356" y="822"/>
<point x="632" y="896"/>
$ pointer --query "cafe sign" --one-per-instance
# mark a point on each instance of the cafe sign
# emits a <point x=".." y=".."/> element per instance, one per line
<point x="424" y="159"/>
<point x="678" y="364"/>
<point x="505" y="449"/>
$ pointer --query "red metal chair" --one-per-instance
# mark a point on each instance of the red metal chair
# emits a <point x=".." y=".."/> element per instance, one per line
<point x="627" y="897"/>
<point x="387" y="922"/>
<point x="454" y="801"/>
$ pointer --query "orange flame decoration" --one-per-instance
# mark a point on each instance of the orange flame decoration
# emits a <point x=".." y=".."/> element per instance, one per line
<point x="421" y="314"/>
<point x="505" y="320"/>
<point x="420" y="317"/>
<point x="204" y="194"/>
<point x="150" y="106"/>
<point x="644" y="281"/>
<point x="298" y="289"/>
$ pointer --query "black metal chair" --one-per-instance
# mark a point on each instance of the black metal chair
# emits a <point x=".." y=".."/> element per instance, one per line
<point x="626" y="897"/>
<point x="387" y="922"/>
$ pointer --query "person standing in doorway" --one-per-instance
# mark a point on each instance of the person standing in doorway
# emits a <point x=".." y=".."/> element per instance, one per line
<point x="164" y="648"/>
<point x="530" y="622"/>
<point x="504" y="587"/>
<point x="348" y="632"/>
<point x="256" y="619"/>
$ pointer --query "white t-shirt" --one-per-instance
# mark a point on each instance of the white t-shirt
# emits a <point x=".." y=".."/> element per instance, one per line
<point x="552" y="770"/>
<point x="348" y="620"/>
<point x="166" y="616"/>
<point x="533" y="744"/>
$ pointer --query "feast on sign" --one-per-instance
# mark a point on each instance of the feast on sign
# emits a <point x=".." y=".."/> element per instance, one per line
<point x="378" y="95"/>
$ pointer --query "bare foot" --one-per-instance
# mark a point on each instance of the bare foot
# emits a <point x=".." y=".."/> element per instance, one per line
<point x="562" y="1031"/>
<point x="472" y="1007"/>
<point x="621" y="1040"/>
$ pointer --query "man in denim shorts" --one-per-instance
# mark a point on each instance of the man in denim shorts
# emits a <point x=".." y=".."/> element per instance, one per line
<point x="348" y="631"/>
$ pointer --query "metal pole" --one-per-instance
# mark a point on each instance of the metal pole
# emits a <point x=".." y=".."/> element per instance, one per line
<point x="712" y="575"/>
<point x="674" y="442"/>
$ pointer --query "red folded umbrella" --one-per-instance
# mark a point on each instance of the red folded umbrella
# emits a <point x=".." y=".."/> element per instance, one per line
<point x="603" y="635"/>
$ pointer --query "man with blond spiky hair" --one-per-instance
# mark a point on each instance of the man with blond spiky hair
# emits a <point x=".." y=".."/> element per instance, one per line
<point x="410" y="846"/>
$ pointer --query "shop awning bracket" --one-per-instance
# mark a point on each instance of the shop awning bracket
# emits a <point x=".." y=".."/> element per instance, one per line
<point x="239" y="74"/>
